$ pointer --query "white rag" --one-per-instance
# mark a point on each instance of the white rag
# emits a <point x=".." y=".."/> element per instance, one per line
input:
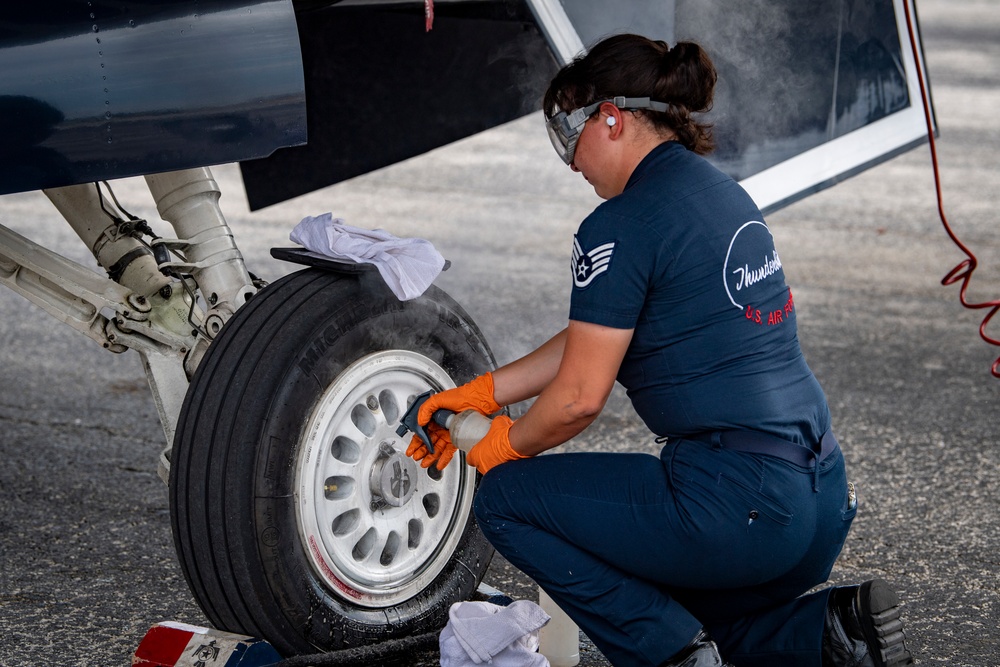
<point x="408" y="266"/>
<point x="482" y="632"/>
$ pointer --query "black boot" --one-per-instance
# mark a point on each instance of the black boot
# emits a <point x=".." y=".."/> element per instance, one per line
<point x="702" y="652"/>
<point x="863" y="628"/>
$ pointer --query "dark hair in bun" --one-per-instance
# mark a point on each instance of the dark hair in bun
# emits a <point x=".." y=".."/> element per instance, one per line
<point x="634" y="66"/>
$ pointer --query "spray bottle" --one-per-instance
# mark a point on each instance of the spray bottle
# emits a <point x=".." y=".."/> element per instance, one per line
<point x="466" y="428"/>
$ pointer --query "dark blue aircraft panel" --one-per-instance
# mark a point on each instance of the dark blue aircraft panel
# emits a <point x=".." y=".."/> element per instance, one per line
<point x="101" y="89"/>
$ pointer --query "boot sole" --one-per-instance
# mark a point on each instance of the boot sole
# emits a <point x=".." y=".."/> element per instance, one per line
<point x="881" y="624"/>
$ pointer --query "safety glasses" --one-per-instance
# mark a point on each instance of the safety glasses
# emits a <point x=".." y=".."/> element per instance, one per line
<point x="564" y="128"/>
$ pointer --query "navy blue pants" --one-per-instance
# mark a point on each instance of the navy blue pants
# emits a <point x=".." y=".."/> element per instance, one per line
<point x="642" y="552"/>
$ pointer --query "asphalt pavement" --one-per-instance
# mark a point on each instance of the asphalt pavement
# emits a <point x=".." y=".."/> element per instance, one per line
<point x="86" y="558"/>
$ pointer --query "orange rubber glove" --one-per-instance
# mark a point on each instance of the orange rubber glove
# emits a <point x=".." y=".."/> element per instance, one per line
<point x="443" y="449"/>
<point x="495" y="448"/>
<point x="475" y="395"/>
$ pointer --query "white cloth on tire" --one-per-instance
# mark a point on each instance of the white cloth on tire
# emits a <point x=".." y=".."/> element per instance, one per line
<point x="484" y="633"/>
<point x="407" y="265"/>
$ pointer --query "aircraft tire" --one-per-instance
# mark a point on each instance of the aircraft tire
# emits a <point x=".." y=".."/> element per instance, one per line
<point x="295" y="513"/>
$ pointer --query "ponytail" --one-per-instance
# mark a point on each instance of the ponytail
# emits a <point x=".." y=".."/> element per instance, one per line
<point x="687" y="83"/>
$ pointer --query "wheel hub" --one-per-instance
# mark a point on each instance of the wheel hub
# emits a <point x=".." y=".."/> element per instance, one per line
<point x="377" y="527"/>
<point x="393" y="477"/>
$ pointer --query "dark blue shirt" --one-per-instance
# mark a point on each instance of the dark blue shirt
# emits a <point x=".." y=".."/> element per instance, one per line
<point x="683" y="257"/>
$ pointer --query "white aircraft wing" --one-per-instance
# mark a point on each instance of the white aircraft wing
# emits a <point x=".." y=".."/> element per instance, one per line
<point x="809" y="93"/>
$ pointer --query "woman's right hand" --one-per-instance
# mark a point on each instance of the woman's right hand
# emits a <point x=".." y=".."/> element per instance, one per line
<point x="444" y="451"/>
<point x="474" y="395"/>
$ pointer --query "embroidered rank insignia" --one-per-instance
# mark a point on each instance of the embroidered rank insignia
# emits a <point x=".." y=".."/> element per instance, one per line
<point x="588" y="265"/>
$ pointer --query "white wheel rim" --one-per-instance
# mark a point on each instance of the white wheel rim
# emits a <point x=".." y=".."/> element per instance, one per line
<point x="378" y="528"/>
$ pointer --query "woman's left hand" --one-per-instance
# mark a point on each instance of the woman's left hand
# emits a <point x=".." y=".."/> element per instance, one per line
<point x="495" y="448"/>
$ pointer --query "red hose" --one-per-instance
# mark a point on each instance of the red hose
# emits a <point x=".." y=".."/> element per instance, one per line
<point x="963" y="272"/>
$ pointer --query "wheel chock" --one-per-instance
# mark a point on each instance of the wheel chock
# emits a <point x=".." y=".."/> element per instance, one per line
<point x="171" y="644"/>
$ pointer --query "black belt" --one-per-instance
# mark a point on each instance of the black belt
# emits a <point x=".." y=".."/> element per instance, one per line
<point x="754" y="442"/>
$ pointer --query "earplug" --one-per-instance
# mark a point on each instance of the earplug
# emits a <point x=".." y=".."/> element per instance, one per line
<point x="611" y="121"/>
